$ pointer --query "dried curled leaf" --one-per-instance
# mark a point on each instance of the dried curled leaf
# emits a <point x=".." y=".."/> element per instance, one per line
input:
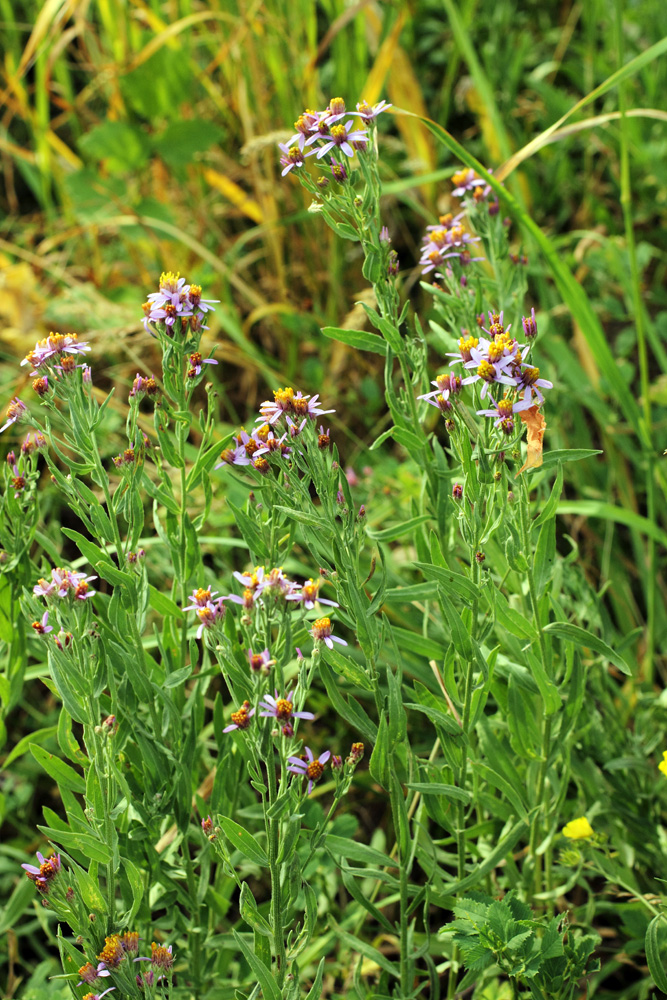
<point x="536" y="425"/>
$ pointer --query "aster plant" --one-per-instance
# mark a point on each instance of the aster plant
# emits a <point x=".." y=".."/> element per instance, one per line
<point x="203" y="784"/>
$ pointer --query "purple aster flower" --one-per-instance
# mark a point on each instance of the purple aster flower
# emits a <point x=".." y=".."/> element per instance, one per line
<point x="529" y="380"/>
<point x="254" y="580"/>
<point x="445" y="386"/>
<point x="338" y="136"/>
<point x="305" y="125"/>
<point x="201" y="598"/>
<point x="240" y="719"/>
<point x="465" y="180"/>
<point x="368" y="113"/>
<point x="312" y="767"/>
<point x="322" y="632"/>
<point x="489" y="372"/>
<point x="282" y="709"/>
<point x="292" y="156"/>
<point x="16" y="411"/>
<point x="503" y="412"/>
<point x="202" y="306"/>
<point x="98" y="996"/>
<point x="308" y="595"/>
<point x="447" y="221"/>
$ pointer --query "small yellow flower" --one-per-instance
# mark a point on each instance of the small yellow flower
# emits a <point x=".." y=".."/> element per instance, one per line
<point x="578" y="829"/>
<point x="662" y="766"/>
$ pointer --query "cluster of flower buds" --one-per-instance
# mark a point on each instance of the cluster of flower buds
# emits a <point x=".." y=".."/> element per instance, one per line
<point x="143" y="386"/>
<point x="176" y="306"/>
<point x="327" y="133"/>
<point x="65" y="583"/>
<point x="125" y="458"/>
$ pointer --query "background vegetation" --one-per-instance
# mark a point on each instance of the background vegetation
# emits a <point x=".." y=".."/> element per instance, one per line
<point x="140" y="137"/>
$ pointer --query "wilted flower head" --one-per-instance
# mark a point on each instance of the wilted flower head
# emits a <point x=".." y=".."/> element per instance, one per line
<point x="241" y="718"/>
<point x="16" y="411"/>
<point x="356" y="754"/>
<point x="113" y="952"/>
<point x="90" y="973"/>
<point x="48" y="869"/>
<point x="161" y="957"/>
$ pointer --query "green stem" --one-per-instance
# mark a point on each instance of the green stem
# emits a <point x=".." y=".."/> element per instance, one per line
<point x="541" y="795"/>
<point x="195" y="916"/>
<point x="276" y="889"/>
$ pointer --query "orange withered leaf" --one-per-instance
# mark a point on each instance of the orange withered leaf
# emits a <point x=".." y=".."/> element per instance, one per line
<point x="536" y="425"/>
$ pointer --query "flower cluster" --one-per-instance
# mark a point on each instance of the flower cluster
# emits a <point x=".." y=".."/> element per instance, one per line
<point x="447" y="239"/>
<point x="296" y="409"/>
<point x="331" y="134"/>
<point x="65" y="583"/>
<point x="494" y="360"/>
<point x="176" y="306"/>
<point x="52" y="353"/>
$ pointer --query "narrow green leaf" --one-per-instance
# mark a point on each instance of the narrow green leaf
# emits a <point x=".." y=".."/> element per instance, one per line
<point x="361" y="339"/>
<point x="348" y="848"/>
<point x="244" y="842"/>
<point x="367" y="950"/>
<point x="88" y="845"/>
<point x="455" y="584"/>
<point x="398" y="530"/>
<point x="262" y="973"/>
<point x="551" y="506"/>
<point x="437" y="788"/>
<point x="501" y="851"/>
<point x="566" y="455"/>
<point x="379" y="762"/>
<point x="315" y="991"/>
<point x="581" y="637"/>
<point x="163" y="604"/>
<point x="61" y="772"/>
